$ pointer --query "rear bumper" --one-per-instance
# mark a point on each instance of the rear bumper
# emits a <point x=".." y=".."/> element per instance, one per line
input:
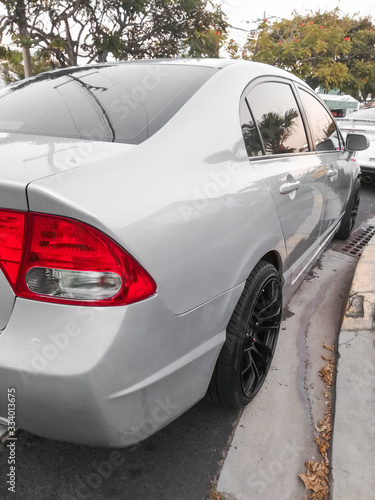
<point x="108" y="376"/>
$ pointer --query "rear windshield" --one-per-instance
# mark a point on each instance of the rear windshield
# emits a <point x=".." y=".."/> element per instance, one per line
<point x="363" y="114"/>
<point x="116" y="103"/>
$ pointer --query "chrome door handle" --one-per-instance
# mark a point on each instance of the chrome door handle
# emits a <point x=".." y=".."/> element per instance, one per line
<point x="331" y="172"/>
<point x="289" y="187"/>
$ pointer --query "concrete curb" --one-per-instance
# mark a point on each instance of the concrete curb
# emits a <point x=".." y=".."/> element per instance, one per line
<point x="353" y="438"/>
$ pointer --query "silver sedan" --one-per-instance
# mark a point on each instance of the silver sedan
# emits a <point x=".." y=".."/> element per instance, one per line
<point x="154" y="218"/>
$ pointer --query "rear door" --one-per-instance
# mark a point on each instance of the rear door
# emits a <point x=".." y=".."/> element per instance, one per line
<point x="330" y="150"/>
<point x="278" y="146"/>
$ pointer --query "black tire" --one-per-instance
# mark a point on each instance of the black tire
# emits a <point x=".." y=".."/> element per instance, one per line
<point x="252" y="335"/>
<point x="351" y="212"/>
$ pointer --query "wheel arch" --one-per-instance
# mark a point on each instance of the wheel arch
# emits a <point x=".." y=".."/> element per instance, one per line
<point x="228" y="386"/>
<point x="274" y="258"/>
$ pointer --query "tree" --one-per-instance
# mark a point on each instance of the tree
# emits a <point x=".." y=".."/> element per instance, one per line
<point x="91" y="30"/>
<point x="12" y="68"/>
<point x="361" y="61"/>
<point x="156" y="28"/>
<point x="16" y="18"/>
<point x="324" y="49"/>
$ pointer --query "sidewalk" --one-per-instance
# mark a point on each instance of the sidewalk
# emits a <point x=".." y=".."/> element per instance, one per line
<point x="353" y="441"/>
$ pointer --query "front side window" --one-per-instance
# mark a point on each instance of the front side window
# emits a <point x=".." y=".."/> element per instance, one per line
<point x="277" y="118"/>
<point x="323" y="128"/>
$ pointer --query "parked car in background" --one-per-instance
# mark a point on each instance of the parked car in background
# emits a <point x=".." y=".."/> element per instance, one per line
<point x="363" y="122"/>
<point x="154" y="218"/>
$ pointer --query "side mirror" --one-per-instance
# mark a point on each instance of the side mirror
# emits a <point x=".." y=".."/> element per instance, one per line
<point x="356" y="142"/>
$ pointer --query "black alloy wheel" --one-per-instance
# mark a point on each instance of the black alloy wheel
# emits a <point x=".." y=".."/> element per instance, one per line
<point x="252" y="335"/>
<point x="261" y="337"/>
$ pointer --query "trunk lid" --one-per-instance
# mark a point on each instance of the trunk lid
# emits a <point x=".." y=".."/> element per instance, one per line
<point x="26" y="158"/>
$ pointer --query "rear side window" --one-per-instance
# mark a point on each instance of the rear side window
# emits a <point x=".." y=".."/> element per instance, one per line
<point x="276" y="116"/>
<point x="323" y="128"/>
<point x="115" y="103"/>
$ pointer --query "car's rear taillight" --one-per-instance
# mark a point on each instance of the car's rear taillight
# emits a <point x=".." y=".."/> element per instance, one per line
<point x="12" y="229"/>
<point x="61" y="260"/>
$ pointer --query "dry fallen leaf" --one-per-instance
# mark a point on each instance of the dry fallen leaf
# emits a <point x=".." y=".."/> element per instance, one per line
<point x="318" y="483"/>
<point x="310" y="482"/>
<point x="327" y="373"/>
<point x="320" y="429"/>
<point x="323" y="445"/>
<point x="317" y="475"/>
<point x="329" y="347"/>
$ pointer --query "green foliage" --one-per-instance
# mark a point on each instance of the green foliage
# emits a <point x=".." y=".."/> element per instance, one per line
<point x="72" y="31"/>
<point x="232" y="48"/>
<point x="325" y="49"/>
<point x="11" y="64"/>
<point x="205" y="42"/>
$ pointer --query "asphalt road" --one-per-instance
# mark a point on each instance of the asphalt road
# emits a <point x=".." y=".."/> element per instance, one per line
<point x="367" y="205"/>
<point x="177" y="463"/>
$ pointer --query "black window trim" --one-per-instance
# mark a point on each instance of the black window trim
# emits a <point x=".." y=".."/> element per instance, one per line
<point x="245" y="103"/>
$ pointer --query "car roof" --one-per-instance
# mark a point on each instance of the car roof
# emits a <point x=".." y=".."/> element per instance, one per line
<point x="204" y="62"/>
<point x="210" y="62"/>
<point x="245" y="66"/>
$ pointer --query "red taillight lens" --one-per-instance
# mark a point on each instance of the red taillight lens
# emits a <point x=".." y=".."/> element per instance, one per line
<point x="12" y="229"/>
<point x="67" y="261"/>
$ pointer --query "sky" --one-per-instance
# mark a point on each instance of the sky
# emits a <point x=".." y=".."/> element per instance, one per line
<point x="245" y="14"/>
